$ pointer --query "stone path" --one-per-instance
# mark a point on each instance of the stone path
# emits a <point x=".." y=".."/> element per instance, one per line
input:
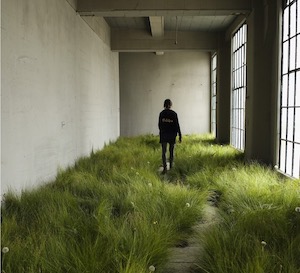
<point x="184" y="259"/>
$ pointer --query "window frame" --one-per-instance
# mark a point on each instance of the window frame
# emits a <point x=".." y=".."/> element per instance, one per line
<point x="213" y="111"/>
<point x="289" y="107"/>
<point x="238" y="87"/>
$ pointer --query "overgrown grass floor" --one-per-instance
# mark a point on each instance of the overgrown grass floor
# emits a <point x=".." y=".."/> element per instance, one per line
<point x="113" y="212"/>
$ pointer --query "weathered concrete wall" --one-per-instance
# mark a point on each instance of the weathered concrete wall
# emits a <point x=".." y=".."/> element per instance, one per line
<point x="146" y="80"/>
<point x="60" y="90"/>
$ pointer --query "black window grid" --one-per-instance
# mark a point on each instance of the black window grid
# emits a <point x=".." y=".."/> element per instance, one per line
<point x="213" y="94"/>
<point x="289" y="144"/>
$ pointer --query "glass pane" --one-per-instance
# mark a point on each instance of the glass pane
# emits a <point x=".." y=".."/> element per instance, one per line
<point x="214" y="102"/>
<point x="293" y="20"/>
<point x="293" y="53"/>
<point x="291" y="94"/>
<point x="242" y="120"/>
<point x="214" y="62"/>
<point x="283" y="123"/>
<point x="234" y="99"/>
<point x="242" y="55"/>
<point x="298" y="49"/>
<point x="285" y="52"/>
<point x="290" y="127"/>
<point x="282" y="156"/>
<point x="289" y="158"/>
<point x="298" y="17"/>
<point x="297" y="125"/>
<point x="286" y="25"/>
<point x="284" y="90"/>
<point x="213" y="116"/>
<point x="242" y="141"/>
<point x="214" y="89"/>
<point x="297" y="102"/>
<point x="296" y="170"/>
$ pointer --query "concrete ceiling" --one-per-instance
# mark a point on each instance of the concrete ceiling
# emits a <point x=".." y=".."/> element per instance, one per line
<point x="139" y="19"/>
<point x="184" y="23"/>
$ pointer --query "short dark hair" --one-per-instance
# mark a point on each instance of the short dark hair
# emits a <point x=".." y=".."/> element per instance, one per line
<point x="167" y="103"/>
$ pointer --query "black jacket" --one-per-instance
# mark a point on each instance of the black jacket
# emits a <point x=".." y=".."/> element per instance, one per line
<point x="168" y="125"/>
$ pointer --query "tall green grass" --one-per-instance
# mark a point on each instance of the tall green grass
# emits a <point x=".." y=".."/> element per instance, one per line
<point x="110" y="212"/>
<point x="259" y="227"/>
<point x="114" y="212"/>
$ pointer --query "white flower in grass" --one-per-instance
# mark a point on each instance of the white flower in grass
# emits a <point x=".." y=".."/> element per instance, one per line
<point x="155" y="223"/>
<point x="231" y="210"/>
<point x="137" y="173"/>
<point x="297" y="209"/>
<point x="187" y="205"/>
<point x="152" y="268"/>
<point x="263" y="243"/>
<point x="5" y="249"/>
<point x="234" y="169"/>
<point x="150" y="184"/>
<point x="148" y="162"/>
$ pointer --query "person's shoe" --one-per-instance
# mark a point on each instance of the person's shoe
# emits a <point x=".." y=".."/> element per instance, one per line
<point x="171" y="165"/>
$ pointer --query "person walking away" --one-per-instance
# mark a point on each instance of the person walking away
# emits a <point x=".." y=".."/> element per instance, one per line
<point x="169" y="128"/>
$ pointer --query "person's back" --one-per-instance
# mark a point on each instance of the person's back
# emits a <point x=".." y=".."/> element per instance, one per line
<point x="168" y="125"/>
<point x="168" y="129"/>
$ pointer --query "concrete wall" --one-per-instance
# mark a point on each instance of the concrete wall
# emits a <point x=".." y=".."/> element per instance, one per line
<point x="146" y="80"/>
<point x="60" y="90"/>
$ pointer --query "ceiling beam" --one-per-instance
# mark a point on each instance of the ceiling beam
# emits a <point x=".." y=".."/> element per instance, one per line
<point x="157" y="26"/>
<point x="146" y="8"/>
<point x="142" y="41"/>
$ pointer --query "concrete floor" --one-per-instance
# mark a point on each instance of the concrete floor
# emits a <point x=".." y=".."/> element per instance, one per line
<point x="184" y="259"/>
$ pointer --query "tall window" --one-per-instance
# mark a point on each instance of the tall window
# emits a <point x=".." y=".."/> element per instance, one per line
<point x="238" y="92"/>
<point x="289" y="145"/>
<point x="213" y="117"/>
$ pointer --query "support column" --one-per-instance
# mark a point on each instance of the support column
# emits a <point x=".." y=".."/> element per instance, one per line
<point x="263" y="59"/>
<point x="223" y="91"/>
<point x="0" y="103"/>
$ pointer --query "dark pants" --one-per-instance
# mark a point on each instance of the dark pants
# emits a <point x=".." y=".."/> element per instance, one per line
<point x="164" y="151"/>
